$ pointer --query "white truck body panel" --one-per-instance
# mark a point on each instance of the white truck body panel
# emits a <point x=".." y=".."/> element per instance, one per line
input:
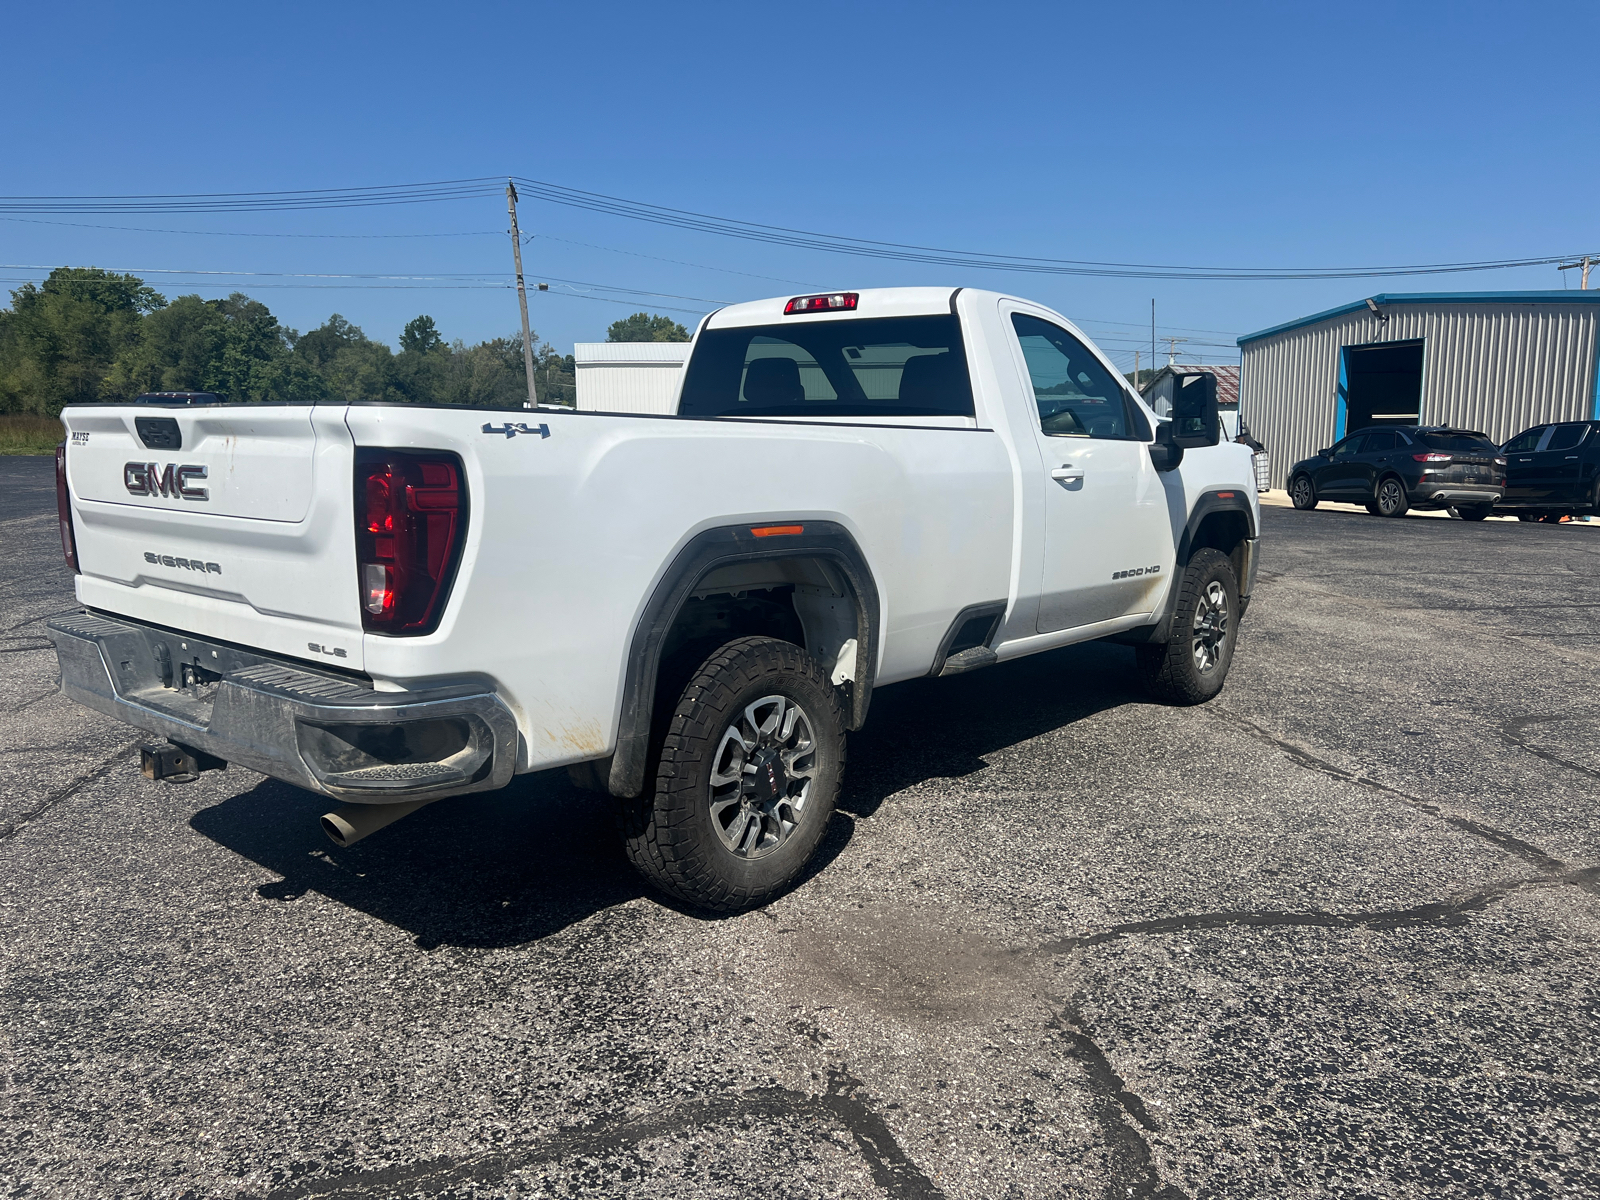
<point x="575" y="522"/>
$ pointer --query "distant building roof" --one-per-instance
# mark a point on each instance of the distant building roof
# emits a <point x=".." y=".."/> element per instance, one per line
<point x="1227" y="379"/>
<point x="1591" y="297"/>
<point x="638" y="354"/>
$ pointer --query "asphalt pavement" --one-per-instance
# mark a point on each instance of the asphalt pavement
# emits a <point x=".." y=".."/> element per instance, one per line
<point x="1333" y="934"/>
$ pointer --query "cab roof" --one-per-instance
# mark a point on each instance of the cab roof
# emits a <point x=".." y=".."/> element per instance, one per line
<point x="871" y="302"/>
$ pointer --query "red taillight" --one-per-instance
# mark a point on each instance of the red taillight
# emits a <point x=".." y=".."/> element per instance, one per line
<point x="832" y="302"/>
<point x="69" y="543"/>
<point x="411" y="512"/>
<point x="1431" y="457"/>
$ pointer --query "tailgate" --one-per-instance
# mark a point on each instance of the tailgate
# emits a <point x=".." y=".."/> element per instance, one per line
<point x="234" y="523"/>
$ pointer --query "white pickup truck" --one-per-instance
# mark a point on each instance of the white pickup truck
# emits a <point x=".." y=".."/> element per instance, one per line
<point x="390" y="604"/>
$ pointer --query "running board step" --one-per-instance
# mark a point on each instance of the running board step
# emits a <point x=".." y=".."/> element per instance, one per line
<point x="969" y="660"/>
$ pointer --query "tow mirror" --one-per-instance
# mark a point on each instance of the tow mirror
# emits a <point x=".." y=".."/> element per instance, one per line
<point x="1165" y="452"/>
<point x="1195" y="420"/>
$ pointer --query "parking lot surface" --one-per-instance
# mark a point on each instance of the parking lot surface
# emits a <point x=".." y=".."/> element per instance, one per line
<point x="1333" y="934"/>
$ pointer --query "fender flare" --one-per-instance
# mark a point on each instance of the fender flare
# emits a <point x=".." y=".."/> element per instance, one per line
<point x="705" y="552"/>
<point x="1212" y="500"/>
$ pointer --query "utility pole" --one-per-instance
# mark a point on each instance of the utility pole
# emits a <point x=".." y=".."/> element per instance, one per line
<point x="522" y="293"/>
<point x="1152" y="334"/>
<point x="1172" y="348"/>
<point x="1585" y="262"/>
<point x="1136" y="370"/>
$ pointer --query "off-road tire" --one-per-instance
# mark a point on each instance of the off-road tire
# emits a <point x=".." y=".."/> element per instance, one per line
<point x="1475" y="512"/>
<point x="1391" y="497"/>
<point x="1303" y="492"/>
<point x="1170" y="669"/>
<point x="669" y="832"/>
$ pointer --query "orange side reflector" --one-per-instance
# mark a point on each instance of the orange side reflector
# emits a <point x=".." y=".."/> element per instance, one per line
<point x="1224" y="495"/>
<point x="777" y="530"/>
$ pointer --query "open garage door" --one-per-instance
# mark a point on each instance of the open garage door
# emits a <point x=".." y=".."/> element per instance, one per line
<point x="1381" y="384"/>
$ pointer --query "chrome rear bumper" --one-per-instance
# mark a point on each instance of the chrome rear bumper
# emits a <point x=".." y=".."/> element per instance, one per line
<point x="327" y="733"/>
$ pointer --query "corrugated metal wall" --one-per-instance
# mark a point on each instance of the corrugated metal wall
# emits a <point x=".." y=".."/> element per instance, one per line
<point x="628" y="387"/>
<point x="1495" y="366"/>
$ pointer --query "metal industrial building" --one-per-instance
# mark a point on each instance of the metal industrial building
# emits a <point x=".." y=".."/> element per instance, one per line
<point x="629" y="377"/>
<point x="1491" y="361"/>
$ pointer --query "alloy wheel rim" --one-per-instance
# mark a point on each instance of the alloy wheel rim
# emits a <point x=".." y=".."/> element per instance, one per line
<point x="1210" y="627"/>
<point x="762" y="776"/>
<point x="1302" y="491"/>
<point x="1389" y="496"/>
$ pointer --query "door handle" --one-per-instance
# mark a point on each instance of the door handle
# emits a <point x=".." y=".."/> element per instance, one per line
<point x="1571" y="457"/>
<point x="1067" y="473"/>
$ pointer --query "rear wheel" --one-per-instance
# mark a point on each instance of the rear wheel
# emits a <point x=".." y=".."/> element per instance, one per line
<point x="1391" y="498"/>
<point x="1475" y="512"/>
<point x="1303" y="493"/>
<point x="1192" y="665"/>
<point x="746" y="780"/>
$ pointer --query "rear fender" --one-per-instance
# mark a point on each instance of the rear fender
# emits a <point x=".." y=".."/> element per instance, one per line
<point x="712" y="551"/>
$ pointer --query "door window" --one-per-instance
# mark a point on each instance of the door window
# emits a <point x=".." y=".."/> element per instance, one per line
<point x="1348" y="448"/>
<point x="1525" y="443"/>
<point x="1381" y="443"/>
<point x="1077" y="397"/>
<point x="1566" y="437"/>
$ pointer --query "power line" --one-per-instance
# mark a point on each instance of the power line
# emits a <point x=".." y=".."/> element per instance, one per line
<point x="483" y="186"/>
<point x="253" y="233"/>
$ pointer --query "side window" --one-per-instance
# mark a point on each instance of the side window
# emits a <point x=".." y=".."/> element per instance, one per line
<point x="1525" y="442"/>
<point x="1077" y="397"/>
<point x="1348" y="448"/>
<point x="1381" y="443"/>
<point x="1566" y="437"/>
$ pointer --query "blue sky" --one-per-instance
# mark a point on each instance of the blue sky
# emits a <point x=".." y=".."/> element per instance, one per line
<point x="1286" y="135"/>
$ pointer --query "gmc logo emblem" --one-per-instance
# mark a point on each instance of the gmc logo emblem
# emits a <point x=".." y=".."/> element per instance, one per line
<point x="144" y="479"/>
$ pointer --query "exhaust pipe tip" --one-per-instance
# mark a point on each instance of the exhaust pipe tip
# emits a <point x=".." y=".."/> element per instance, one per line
<point x="347" y="825"/>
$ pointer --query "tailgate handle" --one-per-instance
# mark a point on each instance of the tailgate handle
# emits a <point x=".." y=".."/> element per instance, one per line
<point x="159" y="433"/>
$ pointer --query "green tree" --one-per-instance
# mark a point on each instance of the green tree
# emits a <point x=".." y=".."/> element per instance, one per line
<point x="58" y="340"/>
<point x="646" y="327"/>
<point x="234" y="347"/>
<point x="421" y="336"/>
<point x="353" y="365"/>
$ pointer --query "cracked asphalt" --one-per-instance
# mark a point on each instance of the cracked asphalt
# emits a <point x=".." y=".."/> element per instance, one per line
<point x="1334" y="934"/>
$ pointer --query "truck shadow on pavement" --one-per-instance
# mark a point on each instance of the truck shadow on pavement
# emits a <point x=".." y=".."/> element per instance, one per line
<point x="521" y="864"/>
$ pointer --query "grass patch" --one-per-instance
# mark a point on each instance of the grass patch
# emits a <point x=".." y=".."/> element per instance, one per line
<point x="29" y="435"/>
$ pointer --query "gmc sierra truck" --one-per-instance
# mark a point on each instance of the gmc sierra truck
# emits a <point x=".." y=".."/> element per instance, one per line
<point x="390" y="604"/>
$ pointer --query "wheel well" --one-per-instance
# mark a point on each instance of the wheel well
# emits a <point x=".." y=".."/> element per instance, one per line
<point x="817" y="591"/>
<point x="804" y="600"/>
<point x="1226" y="533"/>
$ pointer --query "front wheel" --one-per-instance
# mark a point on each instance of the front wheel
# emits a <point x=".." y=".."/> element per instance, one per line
<point x="1191" y="666"/>
<point x="1391" y="498"/>
<point x="747" y="777"/>
<point x="1303" y="493"/>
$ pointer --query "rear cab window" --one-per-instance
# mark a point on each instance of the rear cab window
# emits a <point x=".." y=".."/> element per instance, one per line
<point x="885" y="367"/>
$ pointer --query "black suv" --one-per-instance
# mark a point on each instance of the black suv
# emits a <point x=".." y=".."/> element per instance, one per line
<point x="1553" y="471"/>
<point x="1393" y="468"/>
